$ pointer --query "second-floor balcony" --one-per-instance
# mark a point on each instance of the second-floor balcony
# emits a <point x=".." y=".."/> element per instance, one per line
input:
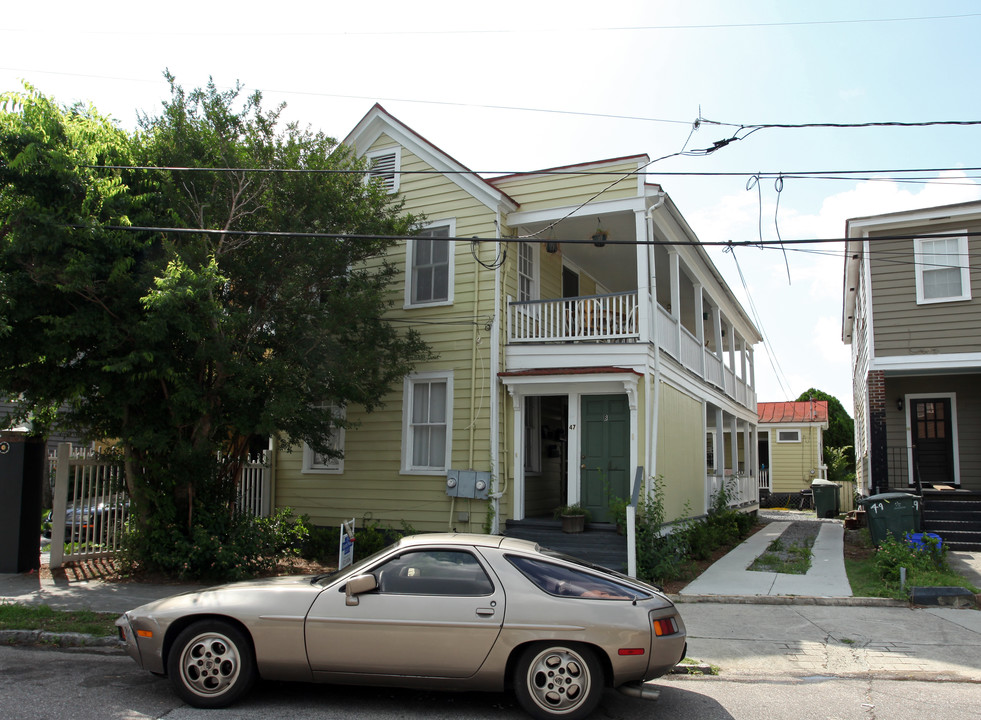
<point x="616" y="329"/>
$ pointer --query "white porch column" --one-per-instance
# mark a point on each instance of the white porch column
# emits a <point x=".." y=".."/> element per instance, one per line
<point x="518" y="453"/>
<point x="720" y="458"/>
<point x="734" y="444"/>
<point x="700" y="327"/>
<point x="675" y="264"/>
<point x="645" y="262"/>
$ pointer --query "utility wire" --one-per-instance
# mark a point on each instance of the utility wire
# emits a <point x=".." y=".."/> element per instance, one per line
<point x="767" y="175"/>
<point x="570" y="241"/>
<point x="267" y="33"/>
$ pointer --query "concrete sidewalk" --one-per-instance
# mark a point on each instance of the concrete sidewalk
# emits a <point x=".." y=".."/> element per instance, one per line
<point x="826" y="578"/>
<point x="806" y="641"/>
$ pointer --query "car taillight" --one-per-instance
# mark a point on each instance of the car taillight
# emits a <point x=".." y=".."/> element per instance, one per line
<point x="665" y="626"/>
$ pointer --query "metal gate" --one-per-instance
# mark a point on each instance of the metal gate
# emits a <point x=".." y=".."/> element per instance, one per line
<point x="91" y="507"/>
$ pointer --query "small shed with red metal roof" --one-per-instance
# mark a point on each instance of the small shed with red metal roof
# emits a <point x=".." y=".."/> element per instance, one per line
<point x="790" y="444"/>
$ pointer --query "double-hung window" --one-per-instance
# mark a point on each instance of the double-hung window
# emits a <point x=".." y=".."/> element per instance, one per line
<point x="527" y="275"/>
<point x="942" y="269"/>
<point x="427" y="422"/>
<point x="314" y="462"/>
<point x="430" y="273"/>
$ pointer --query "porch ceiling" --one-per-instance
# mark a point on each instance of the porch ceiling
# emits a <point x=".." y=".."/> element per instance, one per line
<point x="615" y="266"/>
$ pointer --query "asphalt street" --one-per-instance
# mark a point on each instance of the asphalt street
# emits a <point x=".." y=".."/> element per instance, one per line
<point x="44" y="684"/>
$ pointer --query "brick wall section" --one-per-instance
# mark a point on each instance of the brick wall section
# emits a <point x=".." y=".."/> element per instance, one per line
<point x="878" y="455"/>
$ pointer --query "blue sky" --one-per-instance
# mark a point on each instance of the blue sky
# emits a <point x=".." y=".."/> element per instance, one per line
<point x="460" y="64"/>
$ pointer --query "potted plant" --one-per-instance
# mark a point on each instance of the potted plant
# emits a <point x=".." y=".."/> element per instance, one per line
<point x="574" y="517"/>
<point x="617" y="507"/>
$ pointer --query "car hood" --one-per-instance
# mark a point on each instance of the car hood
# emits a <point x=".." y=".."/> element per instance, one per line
<point x="292" y="593"/>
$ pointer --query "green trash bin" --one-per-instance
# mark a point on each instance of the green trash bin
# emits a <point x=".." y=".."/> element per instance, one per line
<point x="892" y="514"/>
<point x="826" y="502"/>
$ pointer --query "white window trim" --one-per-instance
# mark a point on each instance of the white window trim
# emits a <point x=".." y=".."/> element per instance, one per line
<point x="407" y="396"/>
<point x="790" y="430"/>
<point x="963" y="263"/>
<point x="333" y="466"/>
<point x="393" y="186"/>
<point x="535" y="290"/>
<point x="954" y="439"/>
<point x="410" y="253"/>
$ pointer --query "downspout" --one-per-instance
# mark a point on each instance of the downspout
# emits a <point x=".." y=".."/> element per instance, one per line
<point x="652" y="452"/>
<point x="495" y="397"/>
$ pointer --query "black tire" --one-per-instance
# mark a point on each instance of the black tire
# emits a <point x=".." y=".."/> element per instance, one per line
<point x="558" y="680"/>
<point x="211" y="664"/>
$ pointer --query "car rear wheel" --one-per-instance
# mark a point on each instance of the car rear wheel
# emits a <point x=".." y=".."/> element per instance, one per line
<point x="558" y="680"/>
<point x="211" y="664"/>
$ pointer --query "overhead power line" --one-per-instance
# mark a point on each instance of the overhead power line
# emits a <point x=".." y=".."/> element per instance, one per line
<point x="505" y="240"/>
<point x="268" y="32"/>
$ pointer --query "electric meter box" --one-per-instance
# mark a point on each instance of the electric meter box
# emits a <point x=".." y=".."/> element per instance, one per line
<point x="468" y="484"/>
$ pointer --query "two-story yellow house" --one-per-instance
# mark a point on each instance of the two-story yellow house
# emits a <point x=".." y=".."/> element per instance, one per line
<point x="582" y="332"/>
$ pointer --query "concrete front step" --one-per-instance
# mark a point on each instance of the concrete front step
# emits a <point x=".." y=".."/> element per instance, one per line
<point x="599" y="544"/>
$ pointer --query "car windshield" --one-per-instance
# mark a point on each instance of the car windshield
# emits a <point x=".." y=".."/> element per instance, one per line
<point x="564" y="581"/>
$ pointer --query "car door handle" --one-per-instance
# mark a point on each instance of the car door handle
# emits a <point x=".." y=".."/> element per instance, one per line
<point x="485" y="612"/>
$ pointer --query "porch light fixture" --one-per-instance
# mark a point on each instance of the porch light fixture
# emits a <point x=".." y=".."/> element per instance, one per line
<point x="599" y="237"/>
<point x="899" y="404"/>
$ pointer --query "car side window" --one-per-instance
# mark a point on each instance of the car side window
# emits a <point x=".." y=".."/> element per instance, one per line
<point x="433" y="572"/>
<point x="568" y="582"/>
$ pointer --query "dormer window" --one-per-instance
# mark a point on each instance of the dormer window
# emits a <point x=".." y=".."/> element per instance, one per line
<point x="385" y="165"/>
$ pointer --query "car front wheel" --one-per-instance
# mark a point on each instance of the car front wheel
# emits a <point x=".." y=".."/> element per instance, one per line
<point x="558" y="680"/>
<point x="211" y="664"/>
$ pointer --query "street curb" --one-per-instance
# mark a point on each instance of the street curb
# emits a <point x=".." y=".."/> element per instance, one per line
<point x="789" y="600"/>
<point x="65" y="639"/>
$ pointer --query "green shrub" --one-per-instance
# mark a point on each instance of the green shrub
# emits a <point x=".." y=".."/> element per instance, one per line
<point x="894" y="554"/>
<point x="221" y="547"/>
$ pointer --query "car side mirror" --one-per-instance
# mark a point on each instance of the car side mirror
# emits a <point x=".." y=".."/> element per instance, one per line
<point x="357" y="585"/>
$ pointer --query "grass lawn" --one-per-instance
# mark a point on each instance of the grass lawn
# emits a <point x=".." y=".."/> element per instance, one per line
<point x="42" y="617"/>
<point x="866" y="581"/>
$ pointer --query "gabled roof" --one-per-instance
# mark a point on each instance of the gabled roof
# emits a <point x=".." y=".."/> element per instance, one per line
<point x="796" y="413"/>
<point x="378" y="121"/>
<point x="639" y="159"/>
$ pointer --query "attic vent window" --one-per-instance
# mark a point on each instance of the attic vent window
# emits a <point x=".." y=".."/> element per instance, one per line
<point x="386" y="165"/>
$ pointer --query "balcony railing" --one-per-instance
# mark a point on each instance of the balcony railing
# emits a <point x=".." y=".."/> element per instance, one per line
<point x="607" y="318"/>
<point x="613" y="318"/>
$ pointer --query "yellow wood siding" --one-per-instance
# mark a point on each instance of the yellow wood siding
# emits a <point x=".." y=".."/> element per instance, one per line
<point x="791" y="463"/>
<point x="537" y="192"/>
<point x="681" y="451"/>
<point x="372" y="486"/>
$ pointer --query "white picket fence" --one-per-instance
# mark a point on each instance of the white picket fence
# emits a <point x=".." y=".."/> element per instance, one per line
<point x="91" y="507"/>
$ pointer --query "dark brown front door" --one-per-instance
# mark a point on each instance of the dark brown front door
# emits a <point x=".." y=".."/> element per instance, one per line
<point x="933" y="444"/>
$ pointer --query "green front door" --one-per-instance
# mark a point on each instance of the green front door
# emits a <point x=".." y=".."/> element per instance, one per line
<point x="605" y="456"/>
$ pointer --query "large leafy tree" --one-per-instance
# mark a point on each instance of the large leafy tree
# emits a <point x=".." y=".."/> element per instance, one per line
<point x="839" y="438"/>
<point x="184" y="311"/>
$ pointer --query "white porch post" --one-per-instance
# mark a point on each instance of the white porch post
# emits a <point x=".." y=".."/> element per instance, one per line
<point x="700" y="327"/>
<point x="675" y="264"/>
<point x="574" y="449"/>
<point x="734" y="444"/>
<point x="518" y="452"/>
<point x="720" y="457"/>
<point x="644" y="263"/>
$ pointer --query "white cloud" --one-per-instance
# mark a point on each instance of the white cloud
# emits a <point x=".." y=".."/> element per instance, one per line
<point x="803" y="319"/>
